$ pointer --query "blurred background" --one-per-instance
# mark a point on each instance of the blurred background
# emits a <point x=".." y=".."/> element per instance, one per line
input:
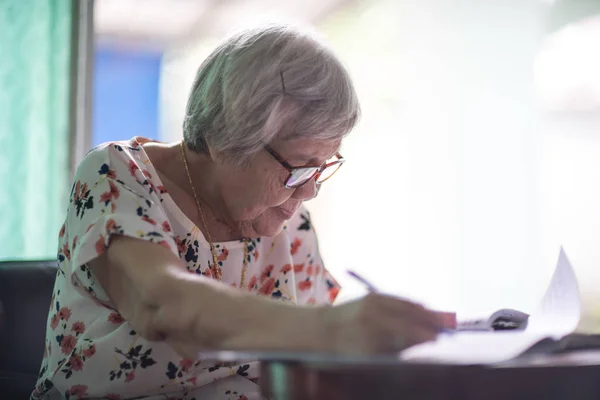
<point x="477" y="157"/>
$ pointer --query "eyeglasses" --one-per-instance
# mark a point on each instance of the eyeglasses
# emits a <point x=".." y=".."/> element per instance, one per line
<point x="300" y="175"/>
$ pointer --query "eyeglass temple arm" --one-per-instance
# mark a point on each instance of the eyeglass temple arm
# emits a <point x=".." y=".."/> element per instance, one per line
<point x="276" y="156"/>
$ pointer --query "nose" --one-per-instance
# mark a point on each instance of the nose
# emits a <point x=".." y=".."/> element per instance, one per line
<point x="307" y="191"/>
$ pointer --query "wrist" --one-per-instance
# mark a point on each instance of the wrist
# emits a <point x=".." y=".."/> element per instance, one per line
<point x="304" y="329"/>
<point x="268" y="325"/>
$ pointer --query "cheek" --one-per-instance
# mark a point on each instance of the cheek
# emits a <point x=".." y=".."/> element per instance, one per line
<point x="272" y="185"/>
<point x="258" y="193"/>
<point x="274" y="193"/>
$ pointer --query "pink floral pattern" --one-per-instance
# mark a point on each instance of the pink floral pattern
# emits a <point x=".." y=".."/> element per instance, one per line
<point x="91" y="351"/>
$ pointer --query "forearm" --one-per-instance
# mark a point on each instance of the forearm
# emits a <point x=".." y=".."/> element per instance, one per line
<point x="248" y="321"/>
<point x="219" y="317"/>
<point x="202" y="312"/>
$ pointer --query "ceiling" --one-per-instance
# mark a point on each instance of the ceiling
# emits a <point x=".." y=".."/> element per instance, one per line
<point x="162" y="23"/>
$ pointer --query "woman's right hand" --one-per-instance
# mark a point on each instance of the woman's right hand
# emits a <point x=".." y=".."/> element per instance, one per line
<point x="378" y="324"/>
<point x="154" y="293"/>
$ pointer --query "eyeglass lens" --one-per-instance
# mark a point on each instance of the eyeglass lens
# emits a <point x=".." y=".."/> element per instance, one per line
<point x="302" y="175"/>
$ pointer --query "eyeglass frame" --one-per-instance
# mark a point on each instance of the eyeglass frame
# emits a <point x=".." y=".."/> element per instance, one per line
<point x="290" y="168"/>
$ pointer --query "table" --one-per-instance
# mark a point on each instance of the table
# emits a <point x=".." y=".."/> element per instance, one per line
<point x="572" y="376"/>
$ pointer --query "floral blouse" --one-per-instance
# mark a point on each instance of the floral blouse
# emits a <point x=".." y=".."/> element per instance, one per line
<point x="90" y="350"/>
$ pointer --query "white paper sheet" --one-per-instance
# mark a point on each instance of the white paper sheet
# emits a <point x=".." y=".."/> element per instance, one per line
<point x="560" y="310"/>
<point x="558" y="315"/>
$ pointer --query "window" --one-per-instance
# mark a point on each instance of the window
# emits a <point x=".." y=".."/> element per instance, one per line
<point x="34" y="126"/>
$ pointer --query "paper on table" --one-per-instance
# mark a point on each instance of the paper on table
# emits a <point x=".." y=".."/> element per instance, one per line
<point x="560" y="310"/>
<point x="557" y="316"/>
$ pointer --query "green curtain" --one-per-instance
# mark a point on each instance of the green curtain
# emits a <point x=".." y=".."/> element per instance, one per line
<point x="34" y="125"/>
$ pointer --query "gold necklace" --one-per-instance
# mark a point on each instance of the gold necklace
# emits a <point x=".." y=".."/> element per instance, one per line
<point x="218" y="273"/>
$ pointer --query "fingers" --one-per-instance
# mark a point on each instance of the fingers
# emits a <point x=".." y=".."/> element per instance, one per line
<point x="405" y="310"/>
<point x="448" y="319"/>
<point x="389" y="324"/>
<point x="395" y="334"/>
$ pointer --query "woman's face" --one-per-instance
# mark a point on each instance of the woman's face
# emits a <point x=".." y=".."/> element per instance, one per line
<point x="256" y="197"/>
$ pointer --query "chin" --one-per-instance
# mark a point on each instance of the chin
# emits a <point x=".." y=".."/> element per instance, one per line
<point x="268" y="225"/>
<point x="269" y="230"/>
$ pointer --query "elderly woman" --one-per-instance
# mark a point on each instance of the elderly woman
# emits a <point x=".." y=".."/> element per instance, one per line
<point x="169" y="249"/>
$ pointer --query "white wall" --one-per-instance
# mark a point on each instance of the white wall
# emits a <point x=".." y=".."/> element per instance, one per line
<point x="453" y="218"/>
<point x="457" y="191"/>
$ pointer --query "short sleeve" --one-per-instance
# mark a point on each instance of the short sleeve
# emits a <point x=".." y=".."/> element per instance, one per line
<point x="314" y="284"/>
<point x="111" y="195"/>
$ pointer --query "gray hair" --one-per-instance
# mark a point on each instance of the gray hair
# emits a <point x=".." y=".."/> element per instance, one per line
<point x="265" y="81"/>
